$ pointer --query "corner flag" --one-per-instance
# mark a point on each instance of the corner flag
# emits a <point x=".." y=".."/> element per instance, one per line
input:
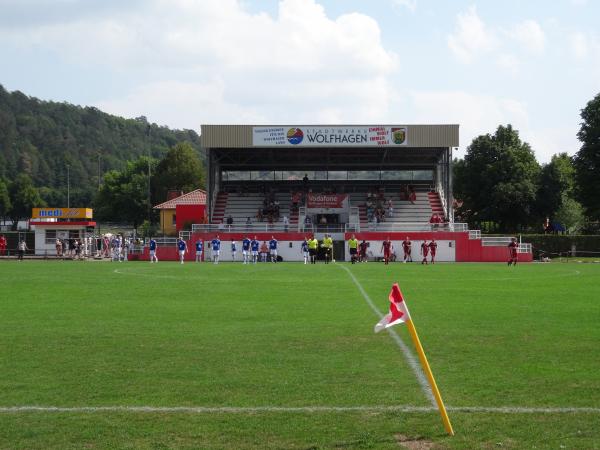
<point x="398" y="311"/>
<point x="399" y="314"/>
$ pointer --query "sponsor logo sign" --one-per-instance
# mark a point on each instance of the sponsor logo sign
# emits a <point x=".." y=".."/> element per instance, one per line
<point x="61" y="213"/>
<point x="333" y="136"/>
<point x="336" y="201"/>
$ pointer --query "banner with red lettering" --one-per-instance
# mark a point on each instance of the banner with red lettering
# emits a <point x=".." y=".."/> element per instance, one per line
<point x="329" y="201"/>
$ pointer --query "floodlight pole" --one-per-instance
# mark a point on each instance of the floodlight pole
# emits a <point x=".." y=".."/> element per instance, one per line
<point x="149" y="200"/>
<point x="68" y="186"/>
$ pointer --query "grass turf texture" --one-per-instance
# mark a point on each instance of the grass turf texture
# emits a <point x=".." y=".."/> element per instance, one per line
<point x="79" y="334"/>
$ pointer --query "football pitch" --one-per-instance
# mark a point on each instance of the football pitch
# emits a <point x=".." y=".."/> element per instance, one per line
<point x="269" y="356"/>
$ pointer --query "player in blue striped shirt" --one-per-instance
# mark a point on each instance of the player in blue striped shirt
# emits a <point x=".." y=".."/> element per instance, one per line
<point x="254" y="245"/>
<point x="216" y="249"/>
<point x="246" y="249"/>
<point x="273" y="249"/>
<point x="198" y="250"/>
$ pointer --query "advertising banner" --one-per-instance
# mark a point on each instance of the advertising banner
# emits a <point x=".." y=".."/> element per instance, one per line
<point x="346" y="136"/>
<point x="61" y="213"/>
<point x="327" y="201"/>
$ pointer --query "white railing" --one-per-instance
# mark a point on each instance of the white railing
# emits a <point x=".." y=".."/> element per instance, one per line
<point x="474" y="234"/>
<point x="301" y="217"/>
<point x="164" y="241"/>
<point x="524" y="248"/>
<point x="354" y="218"/>
<point x="185" y="235"/>
<point x="416" y="226"/>
<point x="495" y="241"/>
<point x="259" y="227"/>
<point x="353" y="227"/>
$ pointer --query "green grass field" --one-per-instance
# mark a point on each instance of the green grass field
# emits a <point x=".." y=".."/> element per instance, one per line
<point x="269" y="338"/>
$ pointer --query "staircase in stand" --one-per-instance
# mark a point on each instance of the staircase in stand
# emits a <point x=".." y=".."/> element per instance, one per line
<point x="436" y="204"/>
<point x="219" y="209"/>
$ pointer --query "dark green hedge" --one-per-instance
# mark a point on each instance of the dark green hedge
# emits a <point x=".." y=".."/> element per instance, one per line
<point x="552" y="244"/>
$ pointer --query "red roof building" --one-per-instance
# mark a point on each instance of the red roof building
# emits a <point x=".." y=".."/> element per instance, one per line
<point x="180" y="212"/>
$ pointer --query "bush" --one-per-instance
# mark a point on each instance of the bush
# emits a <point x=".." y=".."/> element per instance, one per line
<point x="554" y="244"/>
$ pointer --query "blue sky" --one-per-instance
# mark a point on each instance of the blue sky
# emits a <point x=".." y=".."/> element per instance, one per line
<point x="183" y="63"/>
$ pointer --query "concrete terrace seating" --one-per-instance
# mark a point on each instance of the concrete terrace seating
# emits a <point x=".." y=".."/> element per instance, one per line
<point x="404" y="211"/>
<point x="240" y="207"/>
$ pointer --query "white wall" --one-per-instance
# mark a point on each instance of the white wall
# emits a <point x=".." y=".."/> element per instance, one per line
<point x="446" y="250"/>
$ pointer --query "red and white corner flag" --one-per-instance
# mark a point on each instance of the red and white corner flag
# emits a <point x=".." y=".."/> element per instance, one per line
<point x="398" y="310"/>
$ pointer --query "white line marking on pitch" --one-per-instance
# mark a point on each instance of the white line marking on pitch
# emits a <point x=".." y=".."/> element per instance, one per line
<point x="151" y="275"/>
<point x="296" y="409"/>
<point x="410" y="358"/>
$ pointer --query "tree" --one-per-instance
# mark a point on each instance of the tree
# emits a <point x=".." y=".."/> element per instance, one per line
<point x="24" y="197"/>
<point x="181" y="169"/>
<point x="5" y="204"/>
<point x="570" y="214"/>
<point x="557" y="182"/>
<point x="498" y="179"/>
<point x="587" y="159"/>
<point x="124" y="195"/>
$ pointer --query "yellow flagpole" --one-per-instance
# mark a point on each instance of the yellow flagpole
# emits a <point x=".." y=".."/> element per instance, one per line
<point x="436" y="392"/>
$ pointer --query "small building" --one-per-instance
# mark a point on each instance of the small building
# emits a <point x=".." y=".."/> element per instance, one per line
<point x="180" y="212"/>
<point x="50" y="224"/>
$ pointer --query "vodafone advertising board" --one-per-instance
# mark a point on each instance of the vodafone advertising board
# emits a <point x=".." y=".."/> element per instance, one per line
<point x="327" y="201"/>
<point x="311" y="136"/>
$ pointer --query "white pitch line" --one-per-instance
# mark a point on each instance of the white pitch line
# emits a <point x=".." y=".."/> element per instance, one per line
<point x="410" y="358"/>
<point x="295" y="409"/>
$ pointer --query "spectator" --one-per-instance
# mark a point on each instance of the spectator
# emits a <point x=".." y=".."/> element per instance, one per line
<point x="259" y="215"/>
<point x="435" y="221"/>
<point x="58" y="246"/>
<point x="264" y="251"/>
<point x="286" y="223"/>
<point x="412" y="195"/>
<point x="229" y="220"/>
<point x="2" y="244"/>
<point x="21" y="248"/>
<point x="390" y="208"/>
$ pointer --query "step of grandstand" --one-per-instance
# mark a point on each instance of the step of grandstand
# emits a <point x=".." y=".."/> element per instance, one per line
<point x="242" y="206"/>
<point x="436" y="204"/>
<point x="403" y="210"/>
<point x="220" y="205"/>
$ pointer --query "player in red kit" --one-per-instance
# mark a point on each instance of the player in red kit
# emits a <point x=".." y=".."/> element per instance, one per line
<point x="433" y="250"/>
<point x="424" y="251"/>
<point x="407" y="247"/>
<point x="362" y="251"/>
<point x="512" y="250"/>
<point x="386" y="248"/>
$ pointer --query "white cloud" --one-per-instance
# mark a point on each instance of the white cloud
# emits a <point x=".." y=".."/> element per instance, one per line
<point x="529" y="35"/>
<point x="476" y="114"/>
<point x="579" y="45"/>
<point x="509" y="63"/>
<point x="481" y="114"/>
<point x="411" y="5"/>
<point x="472" y="37"/>
<point x="202" y="61"/>
<point x="585" y="47"/>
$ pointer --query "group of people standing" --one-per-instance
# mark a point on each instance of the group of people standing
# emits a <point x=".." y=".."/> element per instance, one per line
<point x="358" y="251"/>
<point x="252" y="250"/>
<point x="310" y="249"/>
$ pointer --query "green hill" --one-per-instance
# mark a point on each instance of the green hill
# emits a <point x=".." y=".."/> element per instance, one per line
<point x="43" y="139"/>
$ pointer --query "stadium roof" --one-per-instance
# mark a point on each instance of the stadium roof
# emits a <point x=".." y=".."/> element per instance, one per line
<point x="197" y="197"/>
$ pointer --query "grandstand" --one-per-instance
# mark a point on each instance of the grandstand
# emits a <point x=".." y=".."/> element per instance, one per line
<point x="367" y="180"/>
